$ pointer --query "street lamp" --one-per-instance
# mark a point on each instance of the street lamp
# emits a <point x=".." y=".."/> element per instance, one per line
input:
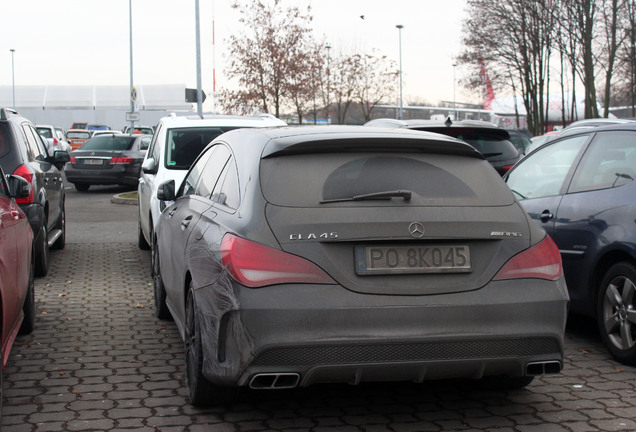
<point x="454" y="100"/>
<point x="328" y="73"/>
<point x="13" y="76"/>
<point x="400" y="27"/>
<point x="133" y="95"/>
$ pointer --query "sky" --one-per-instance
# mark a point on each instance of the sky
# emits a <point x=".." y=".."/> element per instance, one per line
<point x="87" y="42"/>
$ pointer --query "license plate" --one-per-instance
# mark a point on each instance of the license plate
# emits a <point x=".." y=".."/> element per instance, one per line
<point x="412" y="259"/>
<point x="93" y="161"/>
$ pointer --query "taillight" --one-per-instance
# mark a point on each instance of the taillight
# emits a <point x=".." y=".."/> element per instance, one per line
<point x="121" y="160"/>
<point x="24" y="172"/>
<point x="506" y="168"/>
<point x="55" y="141"/>
<point x="541" y="261"/>
<point x="73" y="160"/>
<point x="254" y="265"/>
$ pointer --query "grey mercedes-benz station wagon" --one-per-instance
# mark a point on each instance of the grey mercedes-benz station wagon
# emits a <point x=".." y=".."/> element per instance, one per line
<point x="300" y="255"/>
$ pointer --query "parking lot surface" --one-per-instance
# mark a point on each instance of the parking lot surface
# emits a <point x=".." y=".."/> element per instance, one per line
<point x="99" y="360"/>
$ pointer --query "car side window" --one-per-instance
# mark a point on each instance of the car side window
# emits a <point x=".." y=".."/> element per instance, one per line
<point x="193" y="176"/>
<point x="212" y="171"/>
<point x="33" y="143"/>
<point x="153" y="151"/>
<point x="542" y="173"/>
<point x="226" y="191"/>
<point x="610" y="161"/>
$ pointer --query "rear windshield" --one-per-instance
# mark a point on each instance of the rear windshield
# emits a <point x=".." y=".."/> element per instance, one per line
<point x="109" y="142"/>
<point x="492" y="145"/>
<point x="45" y="132"/>
<point x="78" y="135"/>
<point x="433" y="179"/>
<point x="183" y="145"/>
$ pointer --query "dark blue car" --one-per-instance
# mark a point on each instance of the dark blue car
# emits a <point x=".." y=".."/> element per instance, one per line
<point x="580" y="189"/>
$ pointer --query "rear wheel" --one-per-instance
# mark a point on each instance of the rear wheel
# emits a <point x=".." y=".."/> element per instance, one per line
<point x="42" y="252"/>
<point x="200" y="391"/>
<point x="143" y="244"/>
<point x="60" y="243"/>
<point x="616" y="314"/>
<point x="82" y="187"/>
<point x="161" y="308"/>
<point x="28" y="323"/>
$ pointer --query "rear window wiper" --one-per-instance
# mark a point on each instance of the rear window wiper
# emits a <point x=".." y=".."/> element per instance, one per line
<point x="386" y="195"/>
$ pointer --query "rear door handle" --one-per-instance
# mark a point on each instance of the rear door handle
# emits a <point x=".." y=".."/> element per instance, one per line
<point x="546" y="216"/>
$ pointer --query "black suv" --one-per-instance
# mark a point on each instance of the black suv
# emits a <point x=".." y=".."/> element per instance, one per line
<point x="23" y="153"/>
<point x="489" y="139"/>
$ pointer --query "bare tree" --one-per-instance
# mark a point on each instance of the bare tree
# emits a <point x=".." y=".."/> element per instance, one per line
<point x="377" y="79"/>
<point x="264" y="57"/>
<point x="515" y="36"/>
<point x="343" y="86"/>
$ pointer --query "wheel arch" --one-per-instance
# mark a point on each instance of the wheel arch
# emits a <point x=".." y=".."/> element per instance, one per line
<point x="603" y="265"/>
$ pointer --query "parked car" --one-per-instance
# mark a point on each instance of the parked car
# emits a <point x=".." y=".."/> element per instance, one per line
<point x="175" y="145"/>
<point x="17" y="295"/>
<point x="520" y="138"/>
<point x="105" y="132"/>
<point x="107" y="159"/>
<point x="489" y="139"/>
<point x="580" y="189"/>
<point x="77" y="137"/>
<point x="302" y="255"/>
<point x="54" y="137"/>
<point x="97" y="127"/>
<point x="148" y="130"/>
<point x="23" y="153"/>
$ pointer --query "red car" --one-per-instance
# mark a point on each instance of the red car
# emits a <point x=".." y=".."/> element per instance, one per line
<point x="17" y="297"/>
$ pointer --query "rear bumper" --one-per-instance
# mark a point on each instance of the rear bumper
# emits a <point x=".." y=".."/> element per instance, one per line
<point x="115" y="175"/>
<point x="328" y="334"/>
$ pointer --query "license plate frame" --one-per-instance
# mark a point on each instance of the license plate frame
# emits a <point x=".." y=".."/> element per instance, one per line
<point x="412" y="259"/>
<point x="93" y="162"/>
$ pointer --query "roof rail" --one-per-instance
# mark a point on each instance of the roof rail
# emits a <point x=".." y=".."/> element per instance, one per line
<point x="4" y="113"/>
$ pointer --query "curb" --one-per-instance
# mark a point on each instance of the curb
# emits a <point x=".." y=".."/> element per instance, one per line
<point x="118" y="199"/>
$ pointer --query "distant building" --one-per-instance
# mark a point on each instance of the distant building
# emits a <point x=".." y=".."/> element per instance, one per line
<point x="63" y="105"/>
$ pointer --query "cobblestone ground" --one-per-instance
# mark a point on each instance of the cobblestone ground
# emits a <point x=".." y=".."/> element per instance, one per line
<point x="99" y="360"/>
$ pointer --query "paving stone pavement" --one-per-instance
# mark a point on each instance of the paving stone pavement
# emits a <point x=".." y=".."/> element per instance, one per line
<point x="99" y="360"/>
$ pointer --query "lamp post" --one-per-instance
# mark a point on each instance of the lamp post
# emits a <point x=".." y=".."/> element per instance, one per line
<point x="13" y="76"/>
<point x="454" y="100"/>
<point x="400" y="27"/>
<point x="328" y="73"/>
<point x="133" y="96"/>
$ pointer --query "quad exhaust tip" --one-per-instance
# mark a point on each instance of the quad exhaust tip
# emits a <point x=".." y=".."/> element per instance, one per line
<point x="543" y="368"/>
<point x="270" y="381"/>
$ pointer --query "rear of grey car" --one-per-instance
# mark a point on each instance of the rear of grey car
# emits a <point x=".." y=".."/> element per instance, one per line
<point x="355" y="254"/>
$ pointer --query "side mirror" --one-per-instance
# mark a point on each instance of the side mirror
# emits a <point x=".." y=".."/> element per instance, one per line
<point x="149" y="166"/>
<point x="18" y="186"/>
<point x="166" y="191"/>
<point x="60" y="157"/>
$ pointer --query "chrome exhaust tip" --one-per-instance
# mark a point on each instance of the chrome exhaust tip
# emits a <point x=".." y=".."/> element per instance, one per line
<point x="543" y="368"/>
<point x="271" y="381"/>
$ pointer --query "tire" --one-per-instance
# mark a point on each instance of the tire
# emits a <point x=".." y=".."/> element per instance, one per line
<point x="161" y="308"/>
<point x="199" y="390"/>
<point x="82" y="187"/>
<point x="616" y="314"/>
<point x="60" y="243"/>
<point x="42" y="253"/>
<point x="28" y="323"/>
<point x="143" y="244"/>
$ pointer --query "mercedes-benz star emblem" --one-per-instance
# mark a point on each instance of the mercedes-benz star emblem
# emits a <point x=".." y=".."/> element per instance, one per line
<point x="416" y="229"/>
